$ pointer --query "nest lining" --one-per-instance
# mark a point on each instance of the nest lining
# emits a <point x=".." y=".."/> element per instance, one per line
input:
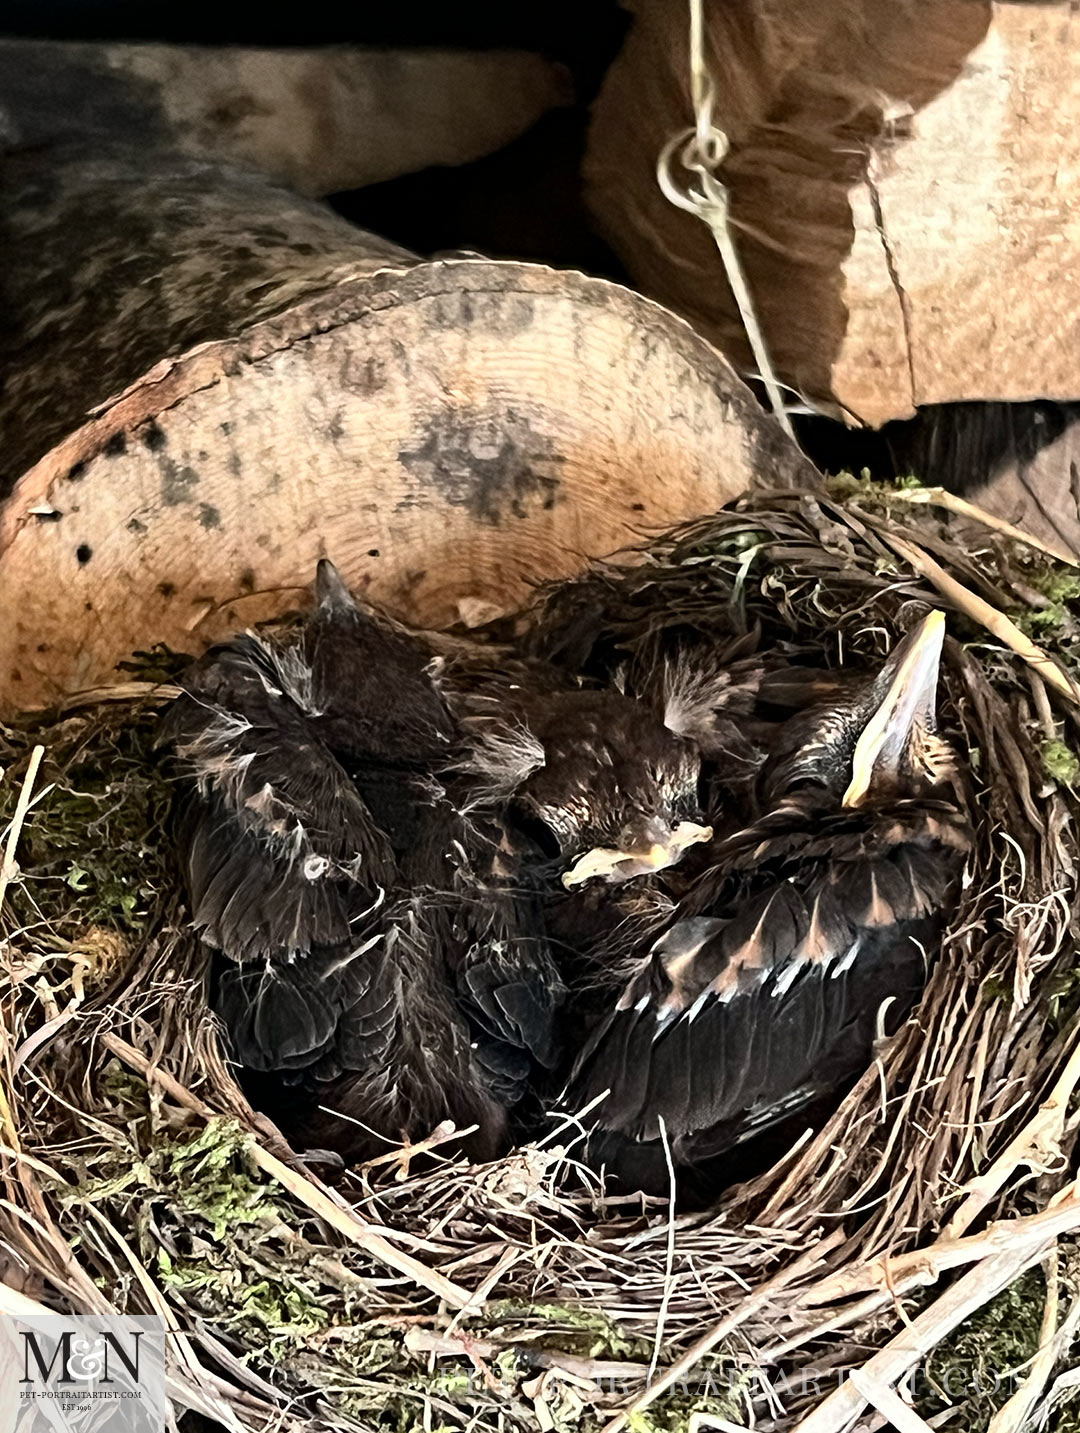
<point x="138" y="1178"/>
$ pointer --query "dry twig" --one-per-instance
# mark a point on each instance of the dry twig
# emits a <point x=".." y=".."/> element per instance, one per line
<point x="981" y="611"/>
<point x="914" y="1342"/>
<point x="939" y="497"/>
<point x="743" y="1311"/>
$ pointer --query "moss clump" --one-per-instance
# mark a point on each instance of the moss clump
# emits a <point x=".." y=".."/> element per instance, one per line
<point x="977" y="1369"/>
<point x="589" y="1333"/>
<point x="1057" y="585"/>
<point x="225" y="1240"/>
<point x="1042" y="623"/>
<point x="842" y="486"/>
<point x="91" y="854"/>
<point x="720" y="1393"/>
<point x="1059" y="618"/>
<point x="1060" y="760"/>
<point x="846" y="485"/>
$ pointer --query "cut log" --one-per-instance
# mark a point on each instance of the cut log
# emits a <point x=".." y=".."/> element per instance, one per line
<point x="318" y="120"/>
<point x="209" y="382"/>
<point x="906" y="182"/>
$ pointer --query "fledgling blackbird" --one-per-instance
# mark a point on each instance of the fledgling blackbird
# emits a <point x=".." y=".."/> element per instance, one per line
<point x="372" y="819"/>
<point x="763" y="992"/>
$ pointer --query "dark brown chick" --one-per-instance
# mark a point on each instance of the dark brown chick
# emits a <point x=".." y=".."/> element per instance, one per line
<point x="374" y="967"/>
<point x="371" y="821"/>
<point x="604" y="786"/>
<point x="763" y="994"/>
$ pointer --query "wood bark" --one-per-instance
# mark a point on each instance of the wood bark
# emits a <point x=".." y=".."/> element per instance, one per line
<point x="318" y="120"/>
<point x="209" y="382"/>
<point x="905" y="184"/>
<point x="1041" y="493"/>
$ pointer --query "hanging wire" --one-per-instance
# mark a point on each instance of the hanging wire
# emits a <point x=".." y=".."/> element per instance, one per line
<point x="700" y="150"/>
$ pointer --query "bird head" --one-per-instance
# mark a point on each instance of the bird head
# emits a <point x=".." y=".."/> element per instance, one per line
<point x="875" y="739"/>
<point x="373" y="696"/>
<point x="613" y="791"/>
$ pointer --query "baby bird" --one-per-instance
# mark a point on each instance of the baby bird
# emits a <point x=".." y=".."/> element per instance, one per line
<point x="763" y="993"/>
<point x="371" y="819"/>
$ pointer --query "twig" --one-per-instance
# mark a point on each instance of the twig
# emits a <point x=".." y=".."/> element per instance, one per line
<point x="890" y="1279"/>
<point x="713" y="1421"/>
<point x="903" y="1272"/>
<point x="506" y="1261"/>
<point x="1040" y="1136"/>
<point x="888" y="1403"/>
<point x="856" y="1313"/>
<point x="119" y="692"/>
<point x="8" y="867"/>
<point x="980" y="1284"/>
<point x="442" y="1134"/>
<point x="421" y="1340"/>
<point x="669" y="1255"/>
<point x="742" y="1311"/>
<point x="1042" y="705"/>
<point x="939" y="497"/>
<point x="304" y="1188"/>
<point x="981" y="611"/>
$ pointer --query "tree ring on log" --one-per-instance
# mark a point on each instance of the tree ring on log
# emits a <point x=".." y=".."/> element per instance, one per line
<point x="449" y="433"/>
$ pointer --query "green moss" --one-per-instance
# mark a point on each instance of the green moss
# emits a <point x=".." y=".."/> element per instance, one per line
<point x="846" y="485"/>
<point x="92" y="852"/>
<point x="976" y="1369"/>
<point x="1040" y="623"/>
<point x="217" y="1181"/>
<point x="206" y="1170"/>
<point x="1063" y="1003"/>
<point x="223" y="1221"/>
<point x="721" y="1396"/>
<point x="1058" y="619"/>
<point x="995" y="988"/>
<point x="1060" y="760"/>
<point x="1057" y="583"/>
<point x="586" y="1332"/>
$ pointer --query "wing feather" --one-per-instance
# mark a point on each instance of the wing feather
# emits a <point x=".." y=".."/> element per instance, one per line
<point x="733" y="1023"/>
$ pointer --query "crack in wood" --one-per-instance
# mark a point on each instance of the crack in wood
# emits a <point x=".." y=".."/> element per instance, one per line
<point x="894" y="275"/>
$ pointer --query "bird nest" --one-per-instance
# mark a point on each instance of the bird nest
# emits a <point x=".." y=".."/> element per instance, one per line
<point x="515" y="1294"/>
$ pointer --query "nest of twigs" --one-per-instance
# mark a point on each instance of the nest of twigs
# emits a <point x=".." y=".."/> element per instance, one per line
<point x="137" y="1178"/>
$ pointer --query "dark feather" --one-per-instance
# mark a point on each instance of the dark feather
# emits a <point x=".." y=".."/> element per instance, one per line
<point x="735" y="1022"/>
<point x="372" y="959"/>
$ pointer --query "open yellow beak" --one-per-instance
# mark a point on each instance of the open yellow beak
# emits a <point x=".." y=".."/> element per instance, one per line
<point x="612" y="865"/>
<point x="908" y="705"/>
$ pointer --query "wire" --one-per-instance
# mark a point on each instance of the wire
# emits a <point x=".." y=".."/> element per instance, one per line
<point x="700" y="150"/>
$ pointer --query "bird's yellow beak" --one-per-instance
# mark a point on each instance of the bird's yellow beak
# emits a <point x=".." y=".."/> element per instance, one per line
<point x="614" y="865"/>
<point x="904" y="711"/>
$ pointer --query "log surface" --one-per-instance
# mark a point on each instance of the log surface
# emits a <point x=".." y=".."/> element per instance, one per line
<point x="209" y="382"/>
<point x="451" y="435"/>
<point x="905" y="183"/>
<point x="318" y="120"/>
